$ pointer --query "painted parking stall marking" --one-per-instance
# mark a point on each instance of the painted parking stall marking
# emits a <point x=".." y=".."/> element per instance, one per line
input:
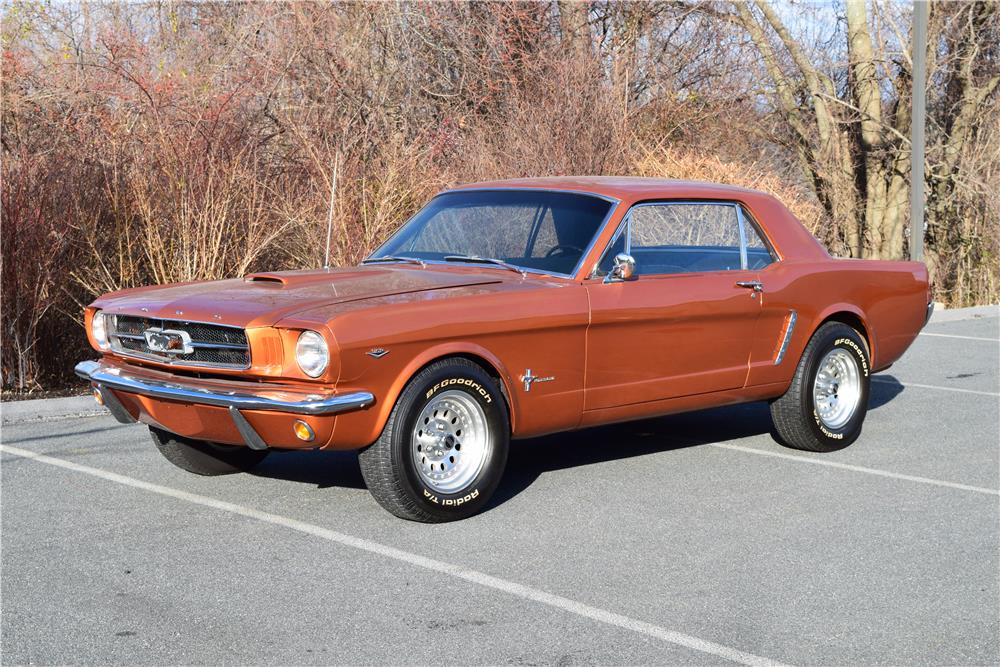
<point x="937" y="387"/>
<point x="854" y="468"/>
<point x="938" y="335"/>
<point x="457" y="571"/>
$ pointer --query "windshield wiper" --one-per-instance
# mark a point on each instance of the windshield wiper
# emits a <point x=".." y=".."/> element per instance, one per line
<point x="476" y="259"/>
<point x="393" y="258"/>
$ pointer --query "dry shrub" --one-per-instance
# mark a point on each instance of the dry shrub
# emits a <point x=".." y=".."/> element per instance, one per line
<point x="186" y="220"/>
<point x="559" y="122"/>
<point x="687" y="164"/>
<point x="970" y="274"/>
<point x="36" y="249"/>
<point x="376" y="196"/>
<point x="154" y="142"/>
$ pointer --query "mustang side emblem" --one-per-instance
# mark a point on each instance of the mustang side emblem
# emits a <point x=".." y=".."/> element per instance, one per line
<point x="377" y="352"/>
<point x="168" y="341"/>
<point x="530" y="379"/>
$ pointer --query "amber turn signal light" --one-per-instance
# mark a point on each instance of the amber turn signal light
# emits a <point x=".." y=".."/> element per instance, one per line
<point x="98" y="397"/>
<point x="303" y="431"/>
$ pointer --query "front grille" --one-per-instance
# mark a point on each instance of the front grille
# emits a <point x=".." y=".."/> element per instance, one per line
<point x="213" y="345"/>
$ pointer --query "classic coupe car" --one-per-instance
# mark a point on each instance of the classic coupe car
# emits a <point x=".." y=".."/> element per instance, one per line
<point x="507" y="310"/>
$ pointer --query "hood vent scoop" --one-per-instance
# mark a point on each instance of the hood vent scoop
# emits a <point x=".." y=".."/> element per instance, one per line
<point x="272" y="278"/>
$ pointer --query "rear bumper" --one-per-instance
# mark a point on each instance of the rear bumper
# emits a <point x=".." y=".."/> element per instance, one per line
<point x="205" y="398"/>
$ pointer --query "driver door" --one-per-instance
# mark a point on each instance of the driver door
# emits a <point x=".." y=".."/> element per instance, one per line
<point x="684" y="323"/>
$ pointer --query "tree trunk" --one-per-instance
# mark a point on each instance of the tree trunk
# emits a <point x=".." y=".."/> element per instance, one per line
<point x="574" y="25"/>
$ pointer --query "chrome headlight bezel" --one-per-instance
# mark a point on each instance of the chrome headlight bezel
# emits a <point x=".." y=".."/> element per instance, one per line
<point x="312" y="353"/>
<point x="99" y="330"/>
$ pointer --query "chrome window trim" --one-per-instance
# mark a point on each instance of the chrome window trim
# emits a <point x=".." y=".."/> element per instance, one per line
<point x="627" y="220"/>
<point x="583" y="257"/>
<point x="116" y="347"/>
<point x="623" y="228"/>
<point x="587" y="193"/>
<point x="743" y="237"/>
<point x="761" y="234"/>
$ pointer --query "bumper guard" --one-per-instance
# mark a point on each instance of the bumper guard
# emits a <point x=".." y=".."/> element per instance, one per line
<point x="106" y="377"/>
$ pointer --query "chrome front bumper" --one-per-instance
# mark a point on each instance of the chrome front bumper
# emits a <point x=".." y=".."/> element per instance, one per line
<point x="107" y="377"/>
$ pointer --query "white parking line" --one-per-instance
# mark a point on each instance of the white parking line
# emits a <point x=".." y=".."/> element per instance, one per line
<point x="934" y="386"/>
<point x="457" y="571"/>
<point x="854" y="468"/>
<point x="937" y="335"/>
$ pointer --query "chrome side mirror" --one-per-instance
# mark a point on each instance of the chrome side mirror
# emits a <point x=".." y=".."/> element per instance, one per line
<point x="623" y="269"/>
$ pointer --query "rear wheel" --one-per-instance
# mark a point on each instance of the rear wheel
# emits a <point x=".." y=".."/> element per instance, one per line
<point x="825" y="407"/>
<point x="444" y="448"/>
<point x="205" y="458"/>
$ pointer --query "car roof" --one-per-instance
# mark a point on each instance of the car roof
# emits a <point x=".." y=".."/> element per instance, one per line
<point x="619" y="187"/>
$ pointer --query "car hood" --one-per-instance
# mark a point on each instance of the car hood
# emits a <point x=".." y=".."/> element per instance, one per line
<point x="262" y="299"/>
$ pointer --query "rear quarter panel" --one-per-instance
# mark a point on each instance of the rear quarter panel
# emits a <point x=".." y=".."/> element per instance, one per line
<point x="890" y="298"/>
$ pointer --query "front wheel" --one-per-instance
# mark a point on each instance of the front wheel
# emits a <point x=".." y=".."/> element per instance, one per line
<point x="444" y="447"/>
<point x="825" y="406"/>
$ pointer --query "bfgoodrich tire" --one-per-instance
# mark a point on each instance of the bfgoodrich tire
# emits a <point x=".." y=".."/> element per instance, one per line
<point x="205" y="458"/>
<point x="825" y="407"/>
<point x="444" y="447"/>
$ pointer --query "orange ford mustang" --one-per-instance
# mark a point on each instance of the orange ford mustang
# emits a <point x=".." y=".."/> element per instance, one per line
<point x="508" y="310"/>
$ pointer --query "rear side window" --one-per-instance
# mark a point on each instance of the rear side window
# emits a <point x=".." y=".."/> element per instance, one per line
<point x="759" y="253"/>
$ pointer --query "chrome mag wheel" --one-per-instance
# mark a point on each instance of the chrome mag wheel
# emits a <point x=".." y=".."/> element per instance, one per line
<point x="450" y="442"/>
<point x="837" y="388"/>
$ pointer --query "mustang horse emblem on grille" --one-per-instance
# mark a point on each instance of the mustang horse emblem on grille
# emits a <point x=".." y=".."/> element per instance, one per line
<point x="168" y="341"/>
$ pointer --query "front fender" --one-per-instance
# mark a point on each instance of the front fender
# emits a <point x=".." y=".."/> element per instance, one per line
<point x="361" y="428"/>
<point x="455" y="349"/>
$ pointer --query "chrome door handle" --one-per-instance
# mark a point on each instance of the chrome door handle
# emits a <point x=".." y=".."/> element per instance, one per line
<point x="755" y="285"/>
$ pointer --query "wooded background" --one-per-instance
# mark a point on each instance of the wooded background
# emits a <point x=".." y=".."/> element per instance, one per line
<point x="170" y="141"/>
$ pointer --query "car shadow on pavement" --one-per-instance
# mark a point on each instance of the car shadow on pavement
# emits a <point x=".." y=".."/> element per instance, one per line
<point x="530" y="458"/>
<point x="322" y="469"/>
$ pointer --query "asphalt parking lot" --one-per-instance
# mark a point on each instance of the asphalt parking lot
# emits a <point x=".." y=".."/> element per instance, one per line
<point x="692" y="539"/>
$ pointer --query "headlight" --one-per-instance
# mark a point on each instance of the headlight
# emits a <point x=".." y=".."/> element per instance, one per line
<point x="99" y="329"/>
<point x="311" y="353"/>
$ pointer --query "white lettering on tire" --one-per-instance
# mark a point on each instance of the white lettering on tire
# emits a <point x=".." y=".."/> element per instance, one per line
<point x="471" y="384"/>
<point x="452" y="502"/>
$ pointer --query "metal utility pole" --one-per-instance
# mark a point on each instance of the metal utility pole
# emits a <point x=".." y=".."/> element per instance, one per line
<point x="921" y="11"/>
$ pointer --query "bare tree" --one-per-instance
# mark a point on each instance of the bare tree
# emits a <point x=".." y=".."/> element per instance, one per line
<point x="849" y="121"/>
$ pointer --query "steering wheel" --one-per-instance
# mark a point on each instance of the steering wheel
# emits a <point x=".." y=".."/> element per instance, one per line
<point x="560" y="248"/>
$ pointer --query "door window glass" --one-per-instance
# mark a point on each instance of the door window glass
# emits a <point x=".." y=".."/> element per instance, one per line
<point x="685" y="238"/>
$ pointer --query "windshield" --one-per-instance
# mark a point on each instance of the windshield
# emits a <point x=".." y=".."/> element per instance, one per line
<point x="536" y="230"/>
